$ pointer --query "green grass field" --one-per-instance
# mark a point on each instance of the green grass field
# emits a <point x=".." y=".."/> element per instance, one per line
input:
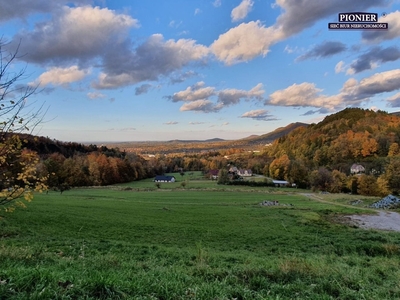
<point x="135" y="241"/>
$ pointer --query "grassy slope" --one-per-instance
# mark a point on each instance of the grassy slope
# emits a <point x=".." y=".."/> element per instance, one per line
<point x="191" y="244"/>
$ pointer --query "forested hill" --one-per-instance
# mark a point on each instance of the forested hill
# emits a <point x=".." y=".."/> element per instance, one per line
<point x="350" y="135"/>
<point x="45" y="146"/>
<point x="271" y="136"/>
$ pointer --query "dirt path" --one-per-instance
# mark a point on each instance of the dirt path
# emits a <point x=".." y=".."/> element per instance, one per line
<point x="383" y="220"/>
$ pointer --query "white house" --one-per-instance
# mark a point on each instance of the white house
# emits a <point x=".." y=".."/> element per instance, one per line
<point x="357" y="169"/>
<point x="162" y="178"/>
<point x="245" y="173"/>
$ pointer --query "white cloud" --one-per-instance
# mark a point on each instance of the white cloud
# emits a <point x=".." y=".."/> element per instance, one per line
<point x="171" y="123"/>
<point x="174" y="24"/>
<point x="199" y="105"/>
<point x="296" y="18"/>
<point x="193" y="93"/>
<point x="258" y="114"/>
<point x="61" y="76"/>
<point x="378" y="36"/>
<point x="233" y="96"/>
<point x="241" y="11"/>
<point x="394" y="101"/>
<point x="197" y="11"/>
<point x="199" y="97"/>
<point x="21" y="9"/>
<point x="217" y="3"/>
<point x="340" y="67"/>
<point x="352" y="93"/>
<point x="244" y="42"/>
<point x="80" y="33"/>
<point x="295" y="95"/>
<point x="150" y="60"/>
<point x="95" y="95"/>
<point x="289" y="49"/>
<point x="249" y="40"/>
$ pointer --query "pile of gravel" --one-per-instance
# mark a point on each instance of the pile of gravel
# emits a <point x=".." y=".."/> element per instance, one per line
<point x="387" y="202"/>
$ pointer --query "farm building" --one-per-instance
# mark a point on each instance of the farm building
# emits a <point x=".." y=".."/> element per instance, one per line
<point x="162" y="178"/>
<point x="245" y="173"/>
<point x="280" y="183"/>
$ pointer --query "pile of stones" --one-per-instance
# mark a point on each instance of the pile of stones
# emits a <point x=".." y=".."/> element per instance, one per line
<point x="387" y="202"/>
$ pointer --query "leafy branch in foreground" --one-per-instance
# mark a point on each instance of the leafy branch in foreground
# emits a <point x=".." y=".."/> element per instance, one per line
<point x="18" y="179"/>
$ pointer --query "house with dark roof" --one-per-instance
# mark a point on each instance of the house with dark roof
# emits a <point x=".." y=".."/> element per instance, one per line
<point x="163" y="178"/>
<point x="213" y="174"/>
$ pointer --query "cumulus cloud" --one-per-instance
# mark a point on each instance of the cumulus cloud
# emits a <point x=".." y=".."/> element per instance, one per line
<point x="298" y="17"/>
<point x="195" y="92"/>
<point x="301" y="95"/>
<point x="149" y="61"/>
<point x="97" y="36"/>
<point x="21" y="9"/>
<point x="74" y="34"/>
<point x="244" y="42"/>
<point x="181" y="77"/>
<point x="233" y="96"/>
<point x="249" y="40"/>
<point x="95" y="95"/>
<point x="378" y="36"/>
<point x="374" y="56"/>
<point x="198" y="96"/>
<point x="394" y="101"/>
<point x="353" y="92"/>
<point x="171" y="123"/>
<point x="259" y="114"/>
<point x="143" y="89"/>
<point x="61" y="76"/>
<point x="197" y="11"/>
<point x="241" y="11"/>
<point x="199" y="105"/>
<point x="322" y="110"/>
<point x="326" y="49"/>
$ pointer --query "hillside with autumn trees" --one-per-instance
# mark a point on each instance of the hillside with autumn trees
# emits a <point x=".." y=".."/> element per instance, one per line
<point x="322" y="154"/>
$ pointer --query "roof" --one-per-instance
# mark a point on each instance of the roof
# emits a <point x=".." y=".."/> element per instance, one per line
<point x="280" y="182"/>
<point x="357" y="168"/>
<point x="164" y="178"/>
<point x="213" y="172"/>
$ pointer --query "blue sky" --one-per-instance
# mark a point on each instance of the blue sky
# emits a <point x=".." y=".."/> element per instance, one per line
<point x="159" y="70"/>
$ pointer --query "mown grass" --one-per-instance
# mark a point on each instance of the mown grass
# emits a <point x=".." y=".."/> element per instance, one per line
<point x="192" y="244"/>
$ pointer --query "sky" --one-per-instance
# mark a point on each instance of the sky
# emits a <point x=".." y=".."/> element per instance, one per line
<point x="119" y="70"/>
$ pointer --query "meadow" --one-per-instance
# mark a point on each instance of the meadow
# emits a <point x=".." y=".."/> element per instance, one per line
<point x="201" y="241"/>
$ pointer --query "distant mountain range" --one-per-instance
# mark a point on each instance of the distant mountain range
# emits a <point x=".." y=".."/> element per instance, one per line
<point x="46" y="146"/>
<point x="252" y="139"/>
<point x="271" y="136"/>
